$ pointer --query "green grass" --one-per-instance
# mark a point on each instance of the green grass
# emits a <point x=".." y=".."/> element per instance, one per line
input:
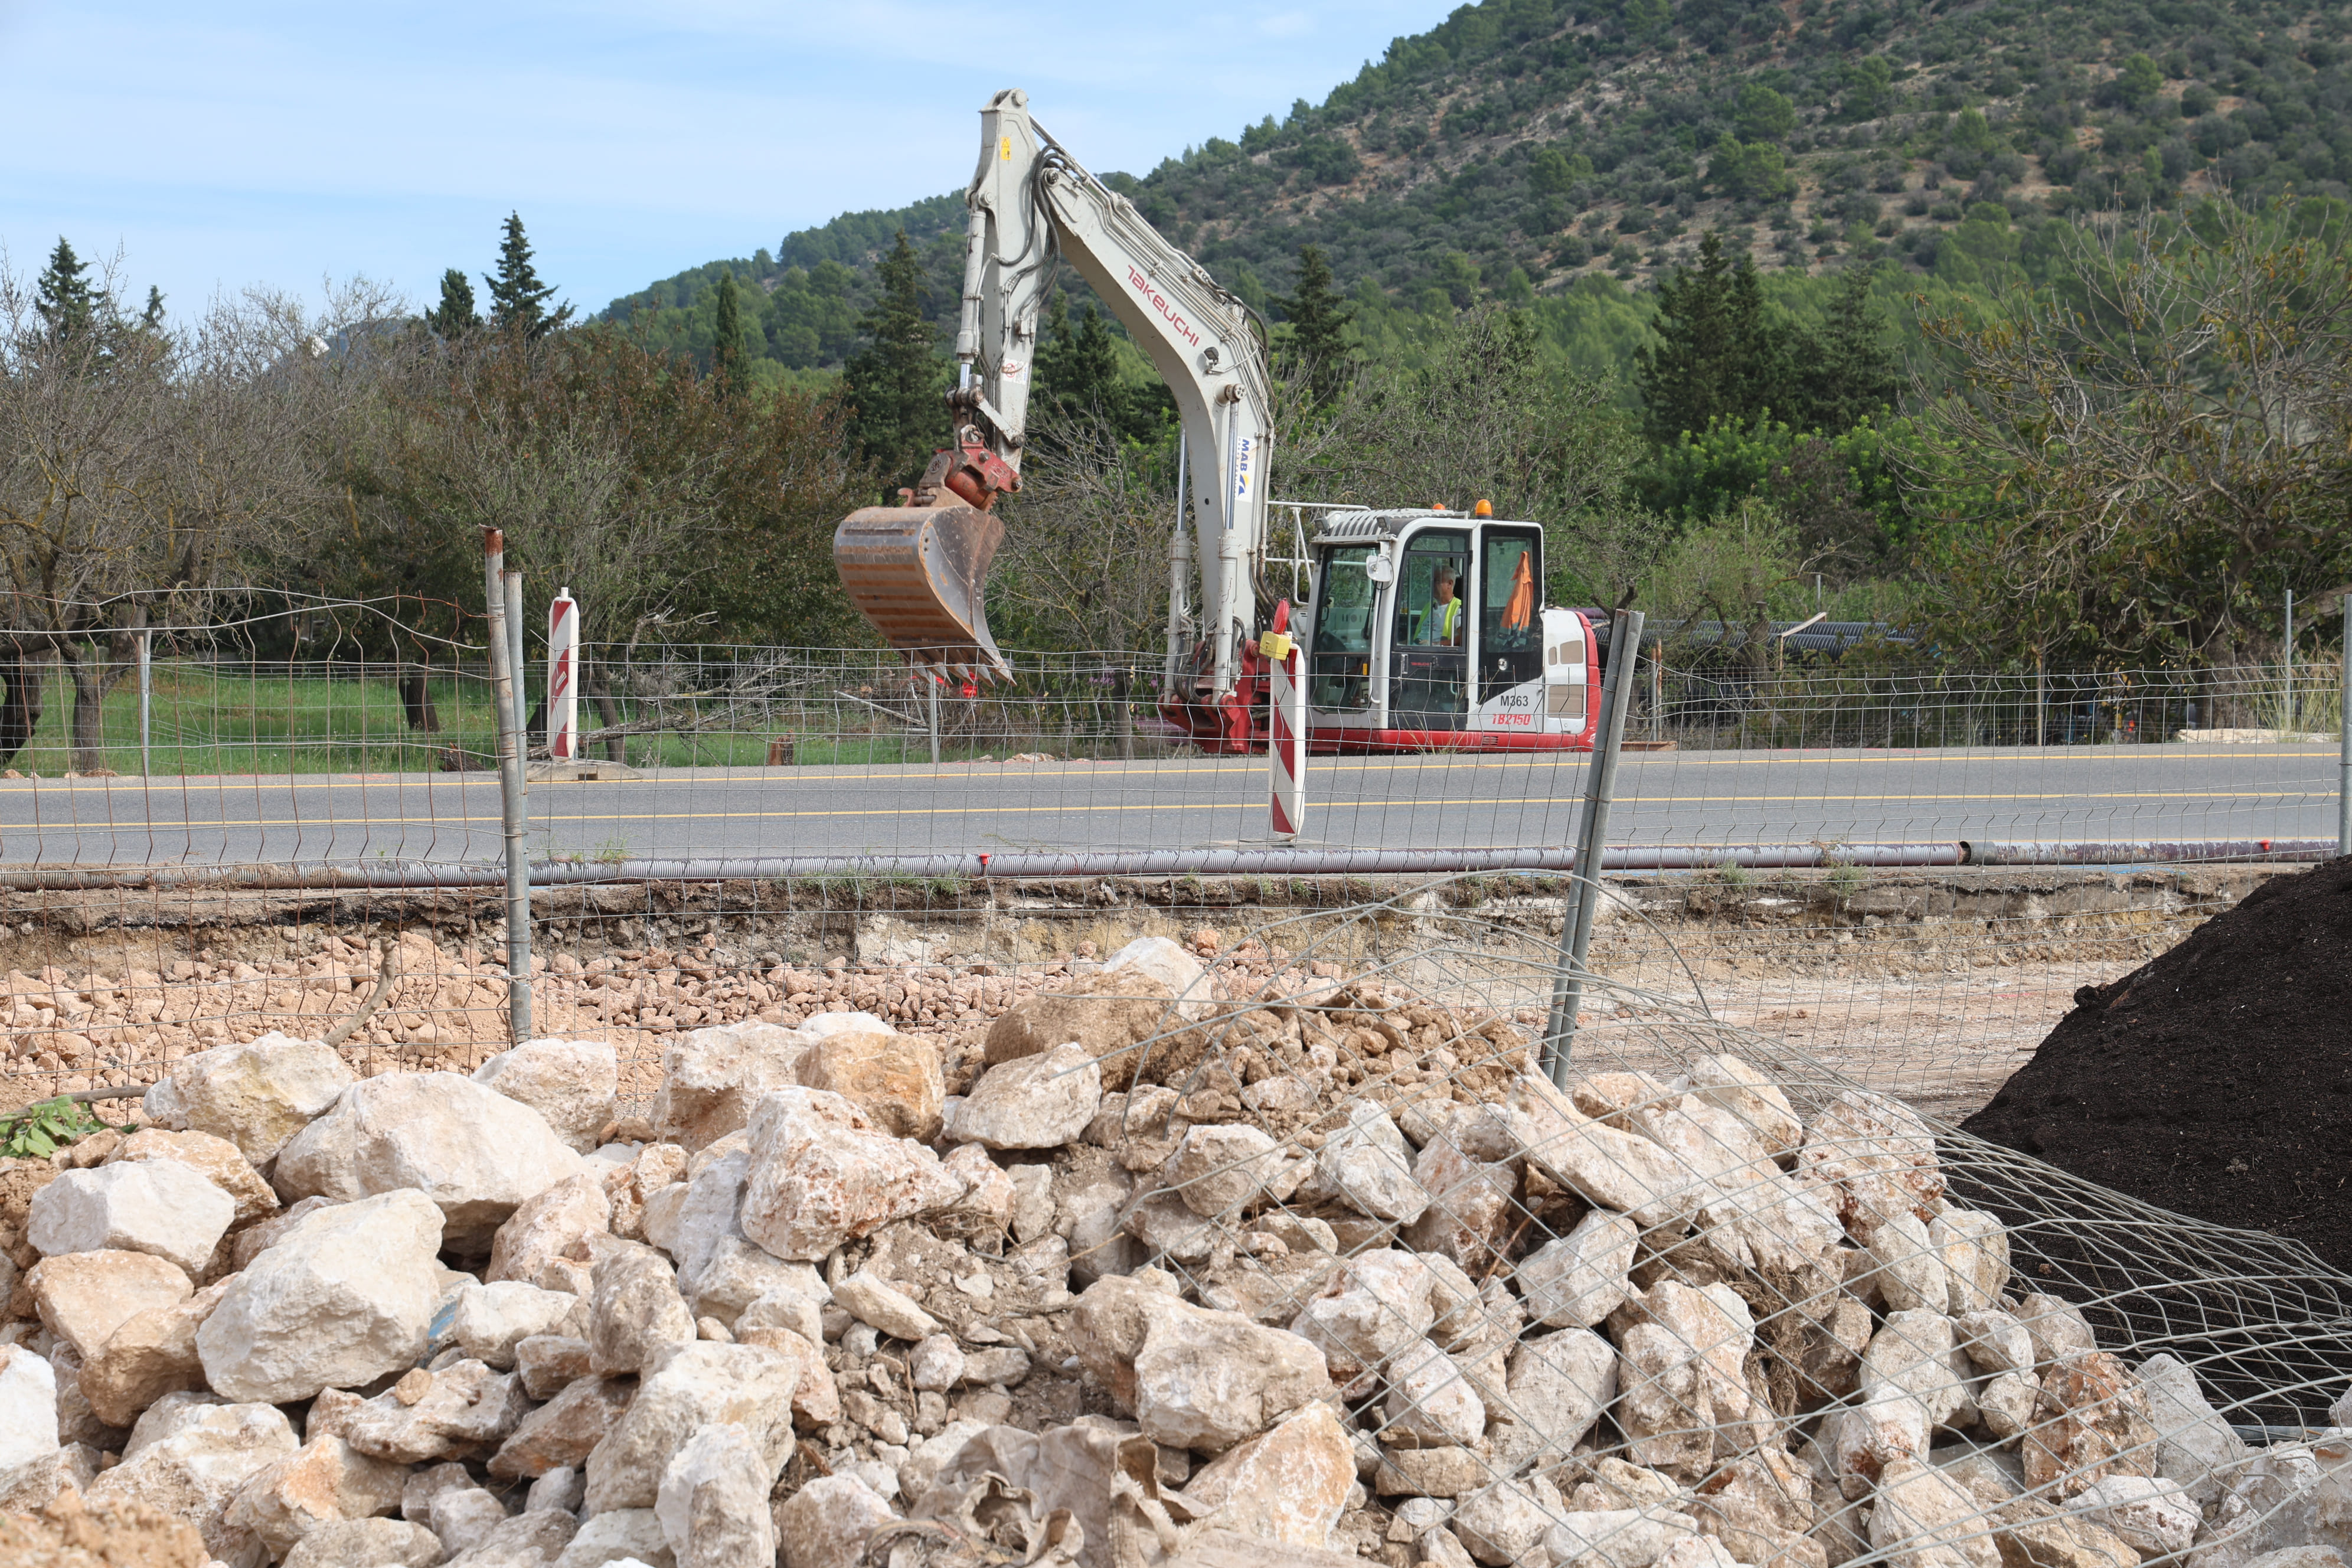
<point x="231" y="722"/>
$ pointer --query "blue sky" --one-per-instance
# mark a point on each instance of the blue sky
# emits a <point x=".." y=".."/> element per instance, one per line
<point x="216" y="145"/>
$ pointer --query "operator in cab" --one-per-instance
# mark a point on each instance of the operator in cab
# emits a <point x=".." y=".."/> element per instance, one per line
<point x="1443" y="625"/>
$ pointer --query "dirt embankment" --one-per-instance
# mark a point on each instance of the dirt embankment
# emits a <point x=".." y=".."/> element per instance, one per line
<point x="2216" y="1079"/>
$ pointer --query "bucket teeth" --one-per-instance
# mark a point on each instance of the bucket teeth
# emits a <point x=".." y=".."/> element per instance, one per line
<point x="919" y="574"/>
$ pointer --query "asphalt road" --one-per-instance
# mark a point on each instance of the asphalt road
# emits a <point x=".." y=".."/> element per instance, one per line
<point x="1414" y="801"/>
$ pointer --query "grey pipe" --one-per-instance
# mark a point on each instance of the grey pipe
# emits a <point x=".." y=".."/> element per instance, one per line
<point x="513" y="810"/>
<point x="2344" y="738"/>
<point x="1153" y="863"/>
<point x="2140" y="851"/>
<point x="1601" y="793"/>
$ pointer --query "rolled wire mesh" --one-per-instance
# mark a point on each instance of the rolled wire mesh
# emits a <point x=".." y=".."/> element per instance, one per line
<point x="1711" y="1288"/>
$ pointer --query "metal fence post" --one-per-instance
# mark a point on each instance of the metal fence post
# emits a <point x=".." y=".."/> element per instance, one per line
<point x="514" y="812"/>
<point x="146" y="699"/>
<point x="1600" y="792"/>
<point x="932" y="699"/>
<point x="512" y="583"/>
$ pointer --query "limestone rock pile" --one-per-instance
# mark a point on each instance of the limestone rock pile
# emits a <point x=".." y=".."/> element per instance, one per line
<point x="1148" y="1274"/>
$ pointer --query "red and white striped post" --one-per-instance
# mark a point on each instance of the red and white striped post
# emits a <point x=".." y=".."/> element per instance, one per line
<point x="563" y="682"/>
<point x="1285" y="720"/>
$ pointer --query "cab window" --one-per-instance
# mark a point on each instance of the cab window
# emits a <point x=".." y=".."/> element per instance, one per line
<point x="1431" y="584"/>
<point x="1339" y="658"/>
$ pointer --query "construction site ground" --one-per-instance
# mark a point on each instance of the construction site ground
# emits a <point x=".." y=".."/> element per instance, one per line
<point x="1934" y="985"/>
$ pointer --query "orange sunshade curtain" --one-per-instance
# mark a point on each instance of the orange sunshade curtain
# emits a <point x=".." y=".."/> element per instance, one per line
<point x="1521" y="611"/>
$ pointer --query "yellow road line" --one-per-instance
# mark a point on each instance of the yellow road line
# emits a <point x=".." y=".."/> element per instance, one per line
<point x="554" y="819"/>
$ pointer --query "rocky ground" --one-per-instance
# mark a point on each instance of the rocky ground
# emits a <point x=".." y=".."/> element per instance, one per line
<point x="1133" y="1274"/>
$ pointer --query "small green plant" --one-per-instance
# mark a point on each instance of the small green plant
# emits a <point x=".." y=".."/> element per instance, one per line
<point x="40" y="1130"/>
<point x="1846" y="878"/>
<point x="612" y="852"/>
<point x="1734" y="875"/>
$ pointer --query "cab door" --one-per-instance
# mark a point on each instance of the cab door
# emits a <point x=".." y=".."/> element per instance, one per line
<point x="1508" y="650"/>
<point x="1431" y="632"/>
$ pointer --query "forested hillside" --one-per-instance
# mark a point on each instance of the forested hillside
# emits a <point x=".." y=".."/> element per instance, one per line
<point x="1537" y="151"/>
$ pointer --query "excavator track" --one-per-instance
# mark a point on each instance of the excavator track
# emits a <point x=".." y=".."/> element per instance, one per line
<point x="918" y="574"/>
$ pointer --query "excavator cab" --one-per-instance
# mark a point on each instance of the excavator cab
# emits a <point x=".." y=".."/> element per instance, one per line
<point x="1428" y="629"/>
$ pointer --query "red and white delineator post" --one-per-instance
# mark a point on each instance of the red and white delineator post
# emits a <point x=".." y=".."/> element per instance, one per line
<point x="1285" y="723"/>
<point x="562" y="677"/>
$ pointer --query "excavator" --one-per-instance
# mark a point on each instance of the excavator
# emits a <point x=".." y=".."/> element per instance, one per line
<point x="1422" y="628"/>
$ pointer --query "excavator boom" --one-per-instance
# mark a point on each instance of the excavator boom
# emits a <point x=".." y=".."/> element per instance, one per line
<point x="918" y="570"/>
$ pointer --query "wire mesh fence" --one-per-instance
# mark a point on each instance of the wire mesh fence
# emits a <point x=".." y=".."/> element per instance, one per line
<point x="810" y="758"/>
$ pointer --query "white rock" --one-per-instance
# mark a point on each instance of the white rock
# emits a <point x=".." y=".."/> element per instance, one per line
<point x="1914" y="1353"/>
<point x="1169" y="964"/>
<point x="1220" y="1169"/>
<point x="1195" y="1378"/>
<point x="634" y="1311"/>
<point x="618" y="1537"/>
<point x="28" y="1429"/>
<point x="366" y="1543"/>
<point x="2157" y="1517"/>
<point x="1367" y="1165"/>
<point x="1505" y="1522"/>
<point x="1994" y="1342"/>
<point x="2057" y="1328"/>
<point x="1975" y="1251"/>
<point x="1610" y="1169"/>
<point x="85" y="1298"/>
<point x="2195" y="1446"/>
<point x="561" y="1490"/>
<point x="257" y="1096"/>
<point x="1559" y="1386"/>
<point x="158" y="1206"/>
<point x="1685" y="1400"/>
<point x="693" y="1220"/>
<point x="320" y="1483"/>
<point x="1618" y="1537"/>
<point x="476" y="1154"/>
<point x="870" y="1299"/>
<point x="1472" y="1205"/>
<point x="1580" y="1279"/>
<point x="936" y="1364"/>
<point x="1374" y="1306"/>
<point x="1733" y="1085"/>
<point x="2005" y="1403"/>
<point x="195" y="1470"/>
<point x="1925" y="1518"/>
<point x="1031" y="1102"/>
<point x="826" y="1524"/>
<point x="713" y="1501"/>
<point x="548" y="1227"/>
<point x="822" y="1026"/>
<point x="571" y="1083"/>
<point x="1430" y="1405"/>
<point x="1907" y="1267"/>
<point x="491" y="1320"/>
<point x="739" y="1272"/>
<point x="822" y="1174"/>
<point x="687" y="1386"/>
<point x="712" y="1077"/>
<point x="1287" y="1486"/>
<point x="345" y="1296"/>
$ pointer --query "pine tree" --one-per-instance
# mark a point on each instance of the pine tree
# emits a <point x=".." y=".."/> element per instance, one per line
<point x="455" y="316"/>
<point x="152" y="318"/>
<point x="727" y="338"/>
<point x="1318" y="316"/>
<point x="518" y="300"/>
<point x="64" y="296"/>
<point x="1717" y="356"/>
<point x="893" y="383"/>
<point x="1076" y="368"/>
<point x="1848" y="369"/>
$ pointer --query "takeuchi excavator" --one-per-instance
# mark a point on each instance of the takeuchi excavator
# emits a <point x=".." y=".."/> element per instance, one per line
<point x="1423" y="627"/>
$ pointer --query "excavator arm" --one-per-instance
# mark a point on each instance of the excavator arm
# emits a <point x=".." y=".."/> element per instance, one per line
<point x="918" y="570"/>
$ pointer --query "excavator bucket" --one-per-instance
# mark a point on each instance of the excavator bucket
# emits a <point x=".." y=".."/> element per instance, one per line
<point x="917" y="574"/>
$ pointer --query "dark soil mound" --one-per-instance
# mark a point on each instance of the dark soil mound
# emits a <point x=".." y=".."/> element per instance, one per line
<point x="2215" y="1080"/>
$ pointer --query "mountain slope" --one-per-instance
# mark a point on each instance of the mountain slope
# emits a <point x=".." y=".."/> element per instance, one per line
<point x="1525" y="143"/>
